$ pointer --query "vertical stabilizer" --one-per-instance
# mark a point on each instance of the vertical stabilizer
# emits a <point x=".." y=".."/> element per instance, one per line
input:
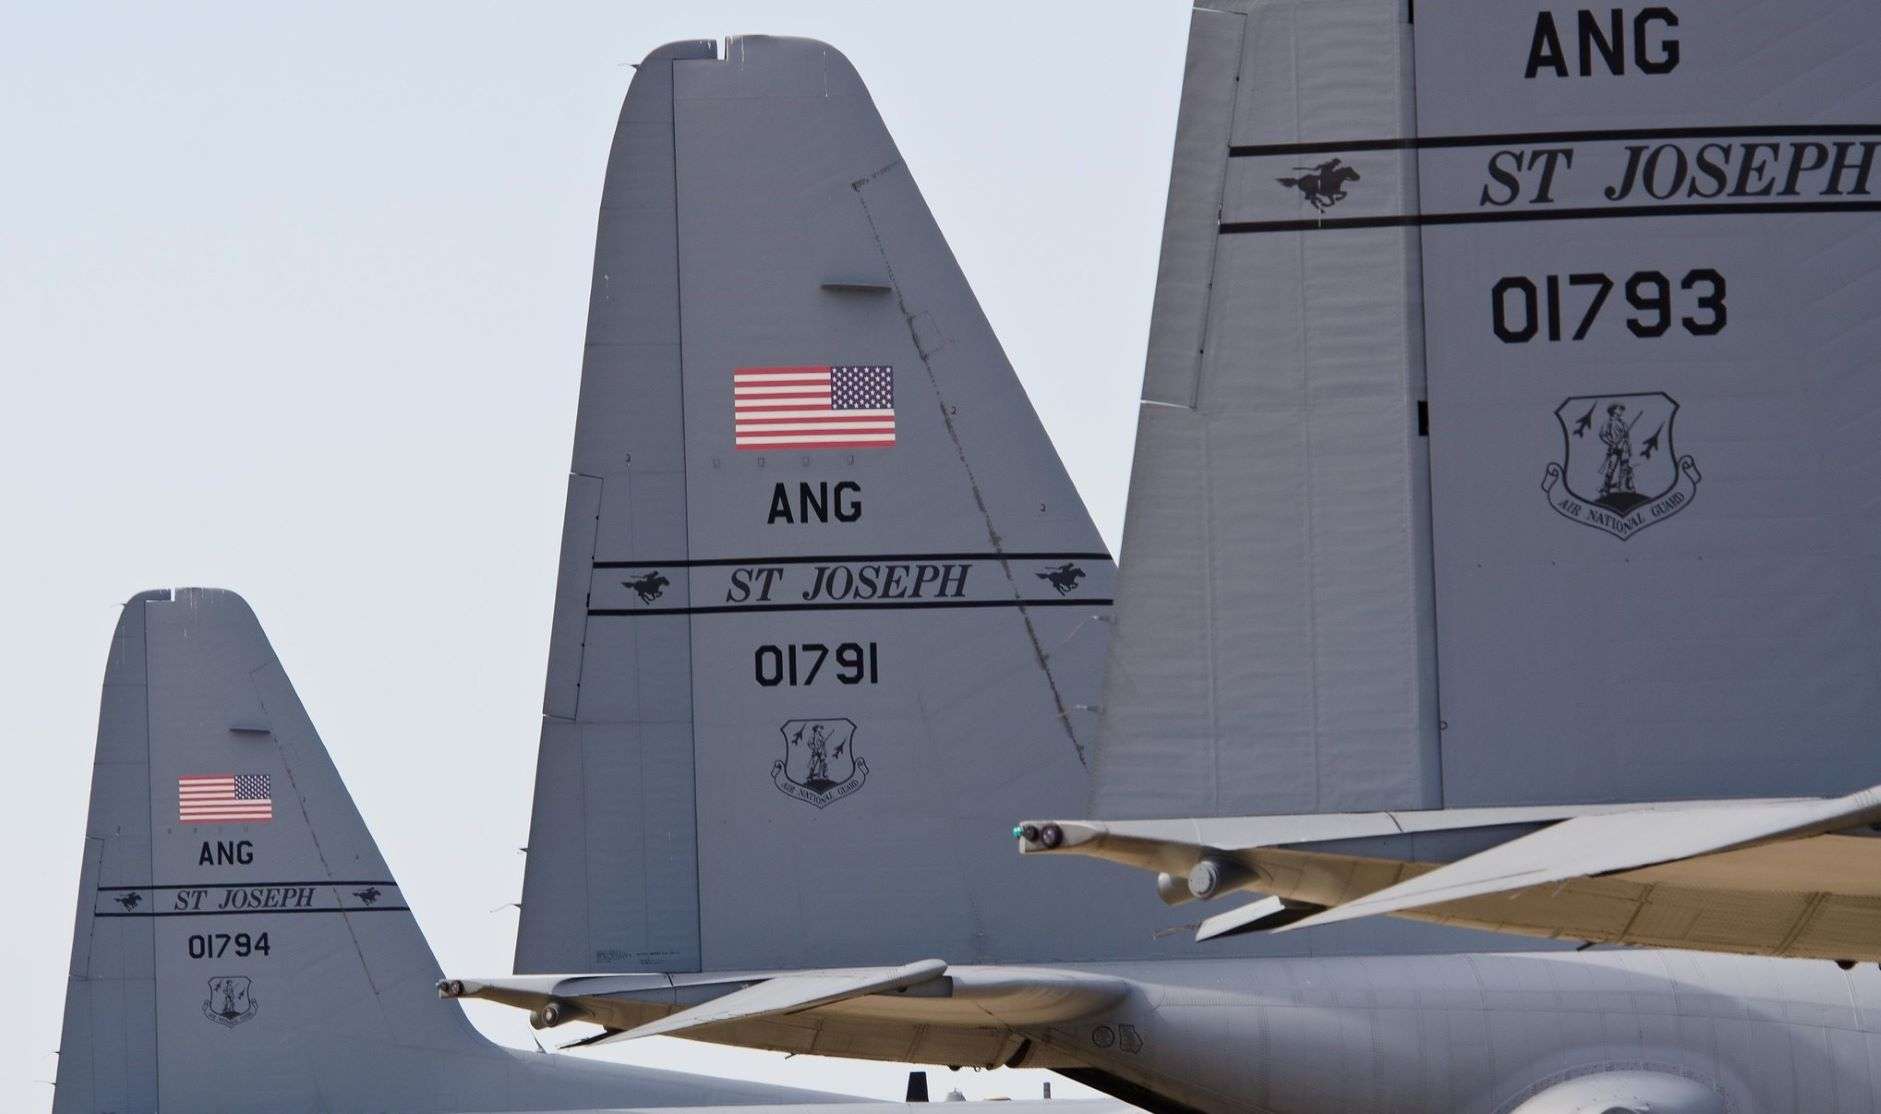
<point x="240" y="944"/>
<point x="1536" y="376"/>
<point x="830" y="613"/>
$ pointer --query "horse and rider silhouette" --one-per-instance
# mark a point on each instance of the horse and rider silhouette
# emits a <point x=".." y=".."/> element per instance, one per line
<point x="648" y="585"/>
<point x="1324" y="186"/>
<point x="1064" y="577"/>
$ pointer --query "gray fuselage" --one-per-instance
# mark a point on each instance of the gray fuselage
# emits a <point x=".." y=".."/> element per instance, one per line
<point x="1483" y="1033"/>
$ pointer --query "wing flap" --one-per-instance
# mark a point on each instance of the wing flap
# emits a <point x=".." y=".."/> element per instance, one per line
<point x="792" y="993"/>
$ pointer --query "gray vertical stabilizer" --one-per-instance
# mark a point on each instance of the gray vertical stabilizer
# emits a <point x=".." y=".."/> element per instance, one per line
<point x="1658" y="562"/>
<point x="1274" y="645"/>
<point x="1557" y="373"/>
<point x="240" y="944"/>
<point x="831" y="615"/>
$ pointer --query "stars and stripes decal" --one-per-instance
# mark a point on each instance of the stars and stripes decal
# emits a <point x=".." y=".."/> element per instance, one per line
<point x="842" y="406"/>
<point x="224" y="799"/>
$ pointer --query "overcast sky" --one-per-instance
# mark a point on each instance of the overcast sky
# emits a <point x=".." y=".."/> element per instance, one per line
<point x="292" y="300"/>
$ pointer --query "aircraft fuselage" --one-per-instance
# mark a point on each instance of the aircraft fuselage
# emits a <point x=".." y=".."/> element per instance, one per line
<point x="1484" y="1033"/>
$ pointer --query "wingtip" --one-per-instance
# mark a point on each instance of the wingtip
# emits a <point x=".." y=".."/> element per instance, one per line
<point x="1038" y="837"/>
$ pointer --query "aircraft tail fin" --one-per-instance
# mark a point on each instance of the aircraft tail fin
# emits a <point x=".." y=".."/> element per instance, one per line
<point x="240" y="944"/>
<point x="1388" y="544"/>
<point x="235" y="918"/>
<point x="830" y="611"/>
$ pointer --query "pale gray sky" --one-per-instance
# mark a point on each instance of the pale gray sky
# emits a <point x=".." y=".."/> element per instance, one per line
<point x="291" y="302"/>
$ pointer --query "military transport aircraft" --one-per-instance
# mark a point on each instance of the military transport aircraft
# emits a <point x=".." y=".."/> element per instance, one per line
<point x="1429" y="420"/>
<point x="242" y="946"/>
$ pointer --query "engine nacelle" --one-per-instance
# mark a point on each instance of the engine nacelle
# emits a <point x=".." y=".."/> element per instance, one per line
<point x="551" y="1014"/>
<point x="1627" y="1092"/>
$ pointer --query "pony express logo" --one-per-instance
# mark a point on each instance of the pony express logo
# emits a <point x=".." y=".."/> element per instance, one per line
<point x="649" y="585"/>
<point x="819" y="764"/>
<point x="1323" y="185"/>
<point x="1063" y="578"/>
<point x="231" y="1000"/>
<point x="1619" y="471"/>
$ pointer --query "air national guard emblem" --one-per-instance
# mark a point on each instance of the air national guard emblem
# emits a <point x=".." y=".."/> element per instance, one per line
<point x="819" y="764"/>
<point x="230" y="1001"/>
<point x="1619" y="471"/>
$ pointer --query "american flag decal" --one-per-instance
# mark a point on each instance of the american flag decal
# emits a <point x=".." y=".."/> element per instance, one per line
<point x="224" y="799"/>
<point x="843" y="406"/>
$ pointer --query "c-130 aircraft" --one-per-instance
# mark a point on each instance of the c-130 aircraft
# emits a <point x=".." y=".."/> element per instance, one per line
<point x="1340" y="428"/>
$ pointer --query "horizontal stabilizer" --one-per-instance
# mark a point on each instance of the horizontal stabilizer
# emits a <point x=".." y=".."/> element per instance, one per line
<point x="922" y="1012"/>
<point x="1592" y="846"/>
<point x="791" y="994"/>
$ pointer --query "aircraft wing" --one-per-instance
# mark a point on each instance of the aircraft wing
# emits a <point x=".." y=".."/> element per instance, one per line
<point x="1613" y="843"/>
<point x="793" y="993"/>
<point x="1781" y="876"/>
<point x="845" y="1011"/>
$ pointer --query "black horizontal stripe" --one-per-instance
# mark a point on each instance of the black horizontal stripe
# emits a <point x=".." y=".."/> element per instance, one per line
<point x="837" y="559"/>
<point x="841" y="605"/>
<point x="1522" y="139"/>
<point x="1516" y="216"/>
<point x="233" y="885"/>
<point x="257" y="912"/>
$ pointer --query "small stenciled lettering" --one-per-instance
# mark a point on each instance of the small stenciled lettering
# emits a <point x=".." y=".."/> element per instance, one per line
<point x="753" y="584"/>
<point x="1524" y="172"/>
<point x="801" y="663"/>
<point x="226" y="852"/>
<point x="1762" y="168"/>
<point x="216" y="945"/>
<point x="1556" y="307"/>
<point x="235" y="899"/>
<point x="1601" y="43"/>
<point x="893" y="581"/>
<point x="820" y="502"/>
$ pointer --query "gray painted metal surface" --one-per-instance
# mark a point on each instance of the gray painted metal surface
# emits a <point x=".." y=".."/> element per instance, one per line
<point x="1658" y="231"/>
<point x="268" y="963"/>
<point x="1603" y="636"/>
<point x="1725" y="645"/>
<point x="1428" y="1034"/>
<point x="713" y="623"/>
<point x="1274" y="648"/>
<point x="685" y="693"/>
<point x="1319" y="686"/>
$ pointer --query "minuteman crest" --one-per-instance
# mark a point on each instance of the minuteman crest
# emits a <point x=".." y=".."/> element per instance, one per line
<point x="819" y="765"/>
<point x="231" y="1000"/>
<point x="1619" y="471"/>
